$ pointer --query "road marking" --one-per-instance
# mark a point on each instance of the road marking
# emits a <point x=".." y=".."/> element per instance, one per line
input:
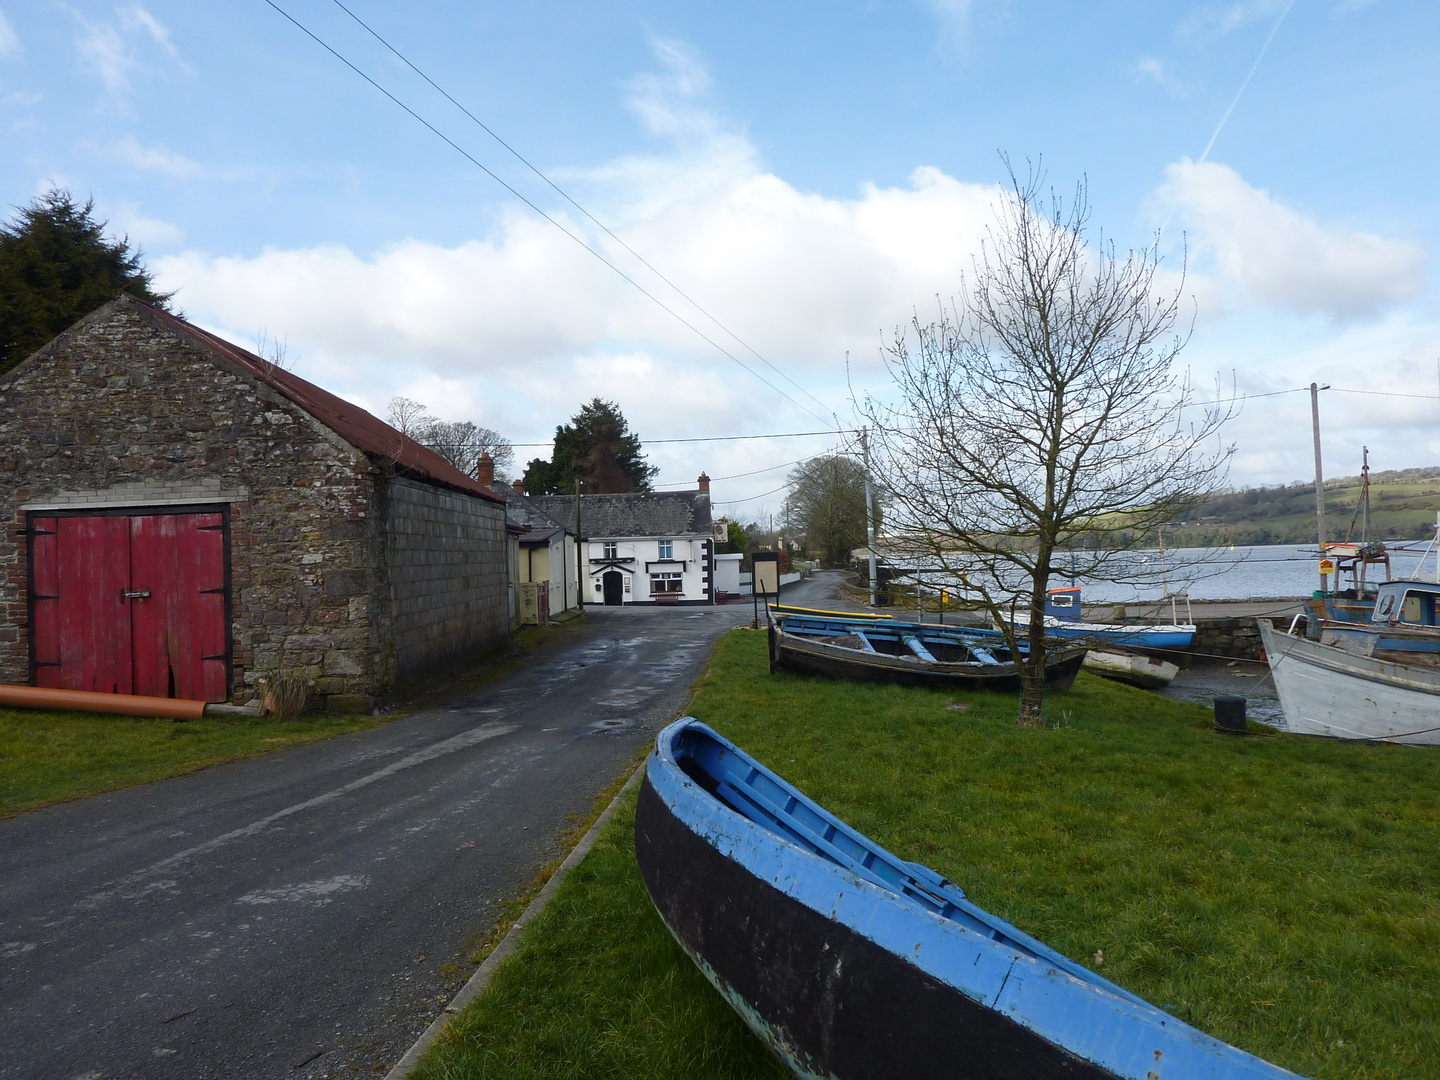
<point x="463" y="741"/>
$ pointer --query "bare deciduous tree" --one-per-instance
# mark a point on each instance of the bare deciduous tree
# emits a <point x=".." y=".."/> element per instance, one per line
<point x="459" y="442"/>
<point x="1042" y="409"/>
<point x="827" y="503"/>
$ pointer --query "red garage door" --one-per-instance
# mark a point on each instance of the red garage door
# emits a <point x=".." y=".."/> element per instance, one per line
<point x="131" y="605"/>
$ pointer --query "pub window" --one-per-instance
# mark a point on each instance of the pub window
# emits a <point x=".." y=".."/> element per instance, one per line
<point x="611" y="550"/>
<point x="666" y="583"/>
<point x="667" y="549"/>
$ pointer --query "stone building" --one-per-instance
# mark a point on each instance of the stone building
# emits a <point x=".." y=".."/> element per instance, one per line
<point x="184" y="519"/>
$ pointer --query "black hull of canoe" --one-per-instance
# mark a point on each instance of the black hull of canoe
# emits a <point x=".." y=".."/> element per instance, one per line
<point x="787" y="653"/>
<point x="830" y="1002"/>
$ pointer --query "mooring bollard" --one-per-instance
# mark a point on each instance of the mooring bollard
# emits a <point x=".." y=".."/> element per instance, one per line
<point x="1230" y="715"/>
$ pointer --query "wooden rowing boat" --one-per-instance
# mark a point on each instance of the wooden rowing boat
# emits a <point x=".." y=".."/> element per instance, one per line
<point x="913" y="654"/>
<point x="853" y="964"/>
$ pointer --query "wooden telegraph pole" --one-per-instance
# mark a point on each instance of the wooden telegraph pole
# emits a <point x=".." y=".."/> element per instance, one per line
<point x="1319" y="480"/>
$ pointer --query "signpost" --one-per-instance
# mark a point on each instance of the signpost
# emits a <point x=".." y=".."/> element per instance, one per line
<point x="765" y="567"/>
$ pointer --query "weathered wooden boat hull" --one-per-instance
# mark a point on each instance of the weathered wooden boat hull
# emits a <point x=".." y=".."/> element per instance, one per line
<point x="809" y="656"/>
<point x="1325" y="690"/>
<point x="852" y="964"/>
<point x="1143" y="671"/>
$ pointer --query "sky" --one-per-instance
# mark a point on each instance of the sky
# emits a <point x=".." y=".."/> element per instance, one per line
<point x="790" y="181"/>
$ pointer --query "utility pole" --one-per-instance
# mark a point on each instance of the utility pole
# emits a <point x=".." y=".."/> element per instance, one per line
<point x="869" y="510"/>
<point x="579" y="553"/>
<point x="1319" y="480"/>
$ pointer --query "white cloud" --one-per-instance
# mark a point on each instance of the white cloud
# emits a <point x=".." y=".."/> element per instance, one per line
<point x="126" y="219"/>
<point x="516" y="329"/>
<point x="156" y="159"/>
<point x="9" y="40"/>
<point x="1153" y="68"/>
<point x="110" y="49"/>
<point x="1213" y="21"/>
<point x="1265" y="252"/>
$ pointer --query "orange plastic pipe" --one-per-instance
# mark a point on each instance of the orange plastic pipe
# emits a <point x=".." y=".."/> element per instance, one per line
<point x="37" y="697"/>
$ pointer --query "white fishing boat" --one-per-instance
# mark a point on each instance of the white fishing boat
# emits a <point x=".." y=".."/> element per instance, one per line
<point x="1132" y="668"/>
<point x="1330" y="690"/>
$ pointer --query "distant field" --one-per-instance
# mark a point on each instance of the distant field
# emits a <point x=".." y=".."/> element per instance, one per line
<point x="1403" y="506"/>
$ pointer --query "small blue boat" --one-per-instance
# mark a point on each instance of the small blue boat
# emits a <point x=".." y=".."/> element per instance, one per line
<point x="1402" y="619"/>
<point x="1062" y="620"/>
<point x="851" y="963"/>
<point x="838" y="645"/>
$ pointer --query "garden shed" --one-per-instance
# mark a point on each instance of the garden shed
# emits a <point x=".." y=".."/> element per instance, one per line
<point x="183" y="518"/>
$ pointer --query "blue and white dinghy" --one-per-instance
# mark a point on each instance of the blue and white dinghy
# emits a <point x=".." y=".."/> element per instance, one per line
<point x="851" y="963"/>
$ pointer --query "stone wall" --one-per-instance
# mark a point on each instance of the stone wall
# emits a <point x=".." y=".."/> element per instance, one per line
<point x="1238" y="637"/>
<point x="447" y="578"/>
<point x="123" y="412"/>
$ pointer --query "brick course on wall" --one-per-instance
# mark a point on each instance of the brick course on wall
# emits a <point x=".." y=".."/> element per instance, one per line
<point x="123" y="412"/>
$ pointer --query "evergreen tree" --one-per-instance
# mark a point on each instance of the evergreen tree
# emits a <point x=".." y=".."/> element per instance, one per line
<point x="597" y="448"/>
<point x="56" y="266"/>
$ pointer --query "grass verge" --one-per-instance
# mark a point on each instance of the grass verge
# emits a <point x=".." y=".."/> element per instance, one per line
<point x="49" y="757"/>
<point x="1277" y="892"/>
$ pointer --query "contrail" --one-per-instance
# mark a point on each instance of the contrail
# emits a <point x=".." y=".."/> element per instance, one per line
<point x="1218" y="127"/>
<point x="1235" y="101"/>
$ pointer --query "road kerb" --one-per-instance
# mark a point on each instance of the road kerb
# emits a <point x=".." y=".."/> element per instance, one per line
<point x="511" y="941"/>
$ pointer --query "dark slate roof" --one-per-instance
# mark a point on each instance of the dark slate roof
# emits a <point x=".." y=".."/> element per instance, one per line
<point x="648" y="513"/>
<point x="352" y="423"/>
<point x="524" y="511"/>
<point x="540" y="536"/>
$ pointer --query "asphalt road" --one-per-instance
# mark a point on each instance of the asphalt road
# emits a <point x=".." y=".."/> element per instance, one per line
<point x="306" y="914"/>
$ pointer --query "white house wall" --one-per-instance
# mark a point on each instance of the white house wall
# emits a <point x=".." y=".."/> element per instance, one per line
<point x="636" y="559"/>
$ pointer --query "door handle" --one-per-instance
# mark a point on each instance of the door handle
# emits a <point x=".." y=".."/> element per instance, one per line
<point x="144" y="595"/>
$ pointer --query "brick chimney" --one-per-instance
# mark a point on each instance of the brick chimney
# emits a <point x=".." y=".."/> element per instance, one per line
<point x="704" y="483"/>
<point x="519" y="486"/>
<point x="485" y="470"/>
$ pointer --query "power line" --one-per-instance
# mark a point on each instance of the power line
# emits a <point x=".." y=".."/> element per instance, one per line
<point x="716" y="438"/>
<point x="474" y="161"/>
<point x="565" y="195"/>
<point x="738" y="475"/>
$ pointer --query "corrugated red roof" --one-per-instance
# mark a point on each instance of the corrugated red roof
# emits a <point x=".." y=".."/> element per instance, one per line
<point x="359" y="428"/>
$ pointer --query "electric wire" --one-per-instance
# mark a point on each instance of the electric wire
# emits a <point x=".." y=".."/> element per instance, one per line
<point x="488" y="172"/>
<point x="566" y="196"/>
<point x="718" y="438"/>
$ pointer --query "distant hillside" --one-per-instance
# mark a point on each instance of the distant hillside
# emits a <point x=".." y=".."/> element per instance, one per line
<point x="1403" y="504"/>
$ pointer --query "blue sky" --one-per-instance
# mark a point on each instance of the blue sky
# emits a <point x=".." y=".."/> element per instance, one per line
<point x="810" y="173"/>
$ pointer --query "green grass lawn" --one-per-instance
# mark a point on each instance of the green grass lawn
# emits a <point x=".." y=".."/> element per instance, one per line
<point x="1280" y="893"/>
<point x="48" y="757"/>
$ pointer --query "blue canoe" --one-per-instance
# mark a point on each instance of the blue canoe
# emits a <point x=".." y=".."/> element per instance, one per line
<point x="852" y="964"/>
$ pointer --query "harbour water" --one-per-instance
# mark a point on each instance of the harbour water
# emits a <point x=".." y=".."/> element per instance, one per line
<point x="1240" y="573"/>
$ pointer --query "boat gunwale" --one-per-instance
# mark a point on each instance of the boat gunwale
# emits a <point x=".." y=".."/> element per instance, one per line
<point x="1037" y="972"/>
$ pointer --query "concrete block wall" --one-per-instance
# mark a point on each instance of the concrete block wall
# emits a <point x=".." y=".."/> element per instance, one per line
<point x="448" y="585"/>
